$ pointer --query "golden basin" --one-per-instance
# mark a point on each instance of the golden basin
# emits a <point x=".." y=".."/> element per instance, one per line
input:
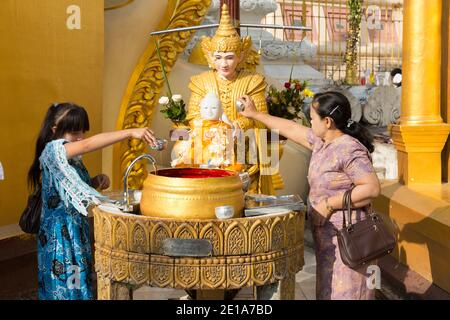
<point x="191" y="193"/>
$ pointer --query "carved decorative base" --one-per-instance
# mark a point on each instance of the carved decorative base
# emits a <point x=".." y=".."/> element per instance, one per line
<point x="253" y="251"/>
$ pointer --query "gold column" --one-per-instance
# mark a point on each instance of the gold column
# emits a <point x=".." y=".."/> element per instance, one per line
<point x="421" y="134"/>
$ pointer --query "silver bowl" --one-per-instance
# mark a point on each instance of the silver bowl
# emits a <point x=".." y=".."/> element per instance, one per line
<point x="224" y="212"/>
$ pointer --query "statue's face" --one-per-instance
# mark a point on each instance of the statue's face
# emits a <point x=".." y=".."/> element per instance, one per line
<point x="210" y="107"/>
<point x="226" y="63"/>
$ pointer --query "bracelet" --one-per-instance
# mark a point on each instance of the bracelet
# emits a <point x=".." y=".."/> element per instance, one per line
<point x="328" y="206"/>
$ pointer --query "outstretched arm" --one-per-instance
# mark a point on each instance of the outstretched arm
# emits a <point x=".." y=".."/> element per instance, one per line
<point x="102" y="140"/>
<point x="288" y="128"/>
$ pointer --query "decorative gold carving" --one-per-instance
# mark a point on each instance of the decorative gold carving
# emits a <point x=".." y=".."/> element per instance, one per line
<point x="187" y="231"/>
<point x="139" y="238"/>
<point x="290" y="231"/>
<point x="213" y="273"/>
<point x="119" y="266"/>
<point x="262" y="272"/>
<point x="236" y="239"/>
<point x="259" y="238"/>
<point x="120" y="235"/>
<point x="106" y="233"/>
<point x="240" y="258"/>
<point x="187" y="273"/>
<point x="277" y="235"/>
<point x="139" y="269"/>
<point x="140" y="99"/>
<point x="213" y="233"/>
<point x="160" y="232"/>
<point x="161" y="271"/>
<point x="238" y="272"/>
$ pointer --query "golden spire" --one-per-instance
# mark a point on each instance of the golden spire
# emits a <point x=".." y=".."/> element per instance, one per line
<point x="226" y="39"/>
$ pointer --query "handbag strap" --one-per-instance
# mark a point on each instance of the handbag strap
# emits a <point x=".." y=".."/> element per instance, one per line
<point x="347" y="206"/>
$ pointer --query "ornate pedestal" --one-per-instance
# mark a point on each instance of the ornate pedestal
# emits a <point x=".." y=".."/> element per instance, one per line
<point x="264" y="251"/>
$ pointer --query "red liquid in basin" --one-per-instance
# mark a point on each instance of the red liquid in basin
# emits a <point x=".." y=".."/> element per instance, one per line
<point x="194" y="173"/>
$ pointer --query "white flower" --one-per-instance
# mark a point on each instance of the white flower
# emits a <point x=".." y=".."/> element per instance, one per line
<point x="163" y="100"/>
<point x="176" y="97"/>
<point x="291" y="110"/>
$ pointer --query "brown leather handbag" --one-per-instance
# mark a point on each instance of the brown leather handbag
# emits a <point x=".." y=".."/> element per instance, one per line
<point x="365" y="240"/>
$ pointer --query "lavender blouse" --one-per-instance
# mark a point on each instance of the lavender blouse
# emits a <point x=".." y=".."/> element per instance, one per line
<point x="335" y="166"/>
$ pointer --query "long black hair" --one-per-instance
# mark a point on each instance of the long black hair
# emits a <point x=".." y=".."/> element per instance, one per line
<point x="336" y="106"/>
<point x="63" y="118"/>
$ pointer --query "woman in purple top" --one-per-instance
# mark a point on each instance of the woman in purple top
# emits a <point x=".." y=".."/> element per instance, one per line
<point x="340" y="159"/>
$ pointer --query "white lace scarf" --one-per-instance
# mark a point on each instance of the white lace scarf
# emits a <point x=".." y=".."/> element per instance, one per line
<point x="71" y="188"/>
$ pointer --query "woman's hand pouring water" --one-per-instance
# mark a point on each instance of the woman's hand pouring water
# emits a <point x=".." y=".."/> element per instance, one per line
<point x="144" y="134"/>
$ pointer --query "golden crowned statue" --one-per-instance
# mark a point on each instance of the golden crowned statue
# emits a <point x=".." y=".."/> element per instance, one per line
<point x="230" y="81"/>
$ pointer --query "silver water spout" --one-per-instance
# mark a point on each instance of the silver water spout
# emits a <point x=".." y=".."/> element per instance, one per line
<point x="125" y="180"/>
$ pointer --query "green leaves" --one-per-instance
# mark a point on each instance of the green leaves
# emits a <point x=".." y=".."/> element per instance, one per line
<point x="288" y="102"/>
<point x="175" y="111"/>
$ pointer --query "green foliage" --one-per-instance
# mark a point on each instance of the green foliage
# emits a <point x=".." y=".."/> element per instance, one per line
<point x="288" y="103"/>
<point x="175" y="111"/>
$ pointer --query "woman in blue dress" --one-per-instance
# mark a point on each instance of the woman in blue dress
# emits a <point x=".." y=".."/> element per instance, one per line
<point x="64" y="251"/>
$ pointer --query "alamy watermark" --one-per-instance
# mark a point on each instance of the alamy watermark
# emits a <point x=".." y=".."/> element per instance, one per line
<point x="373" y="280"/>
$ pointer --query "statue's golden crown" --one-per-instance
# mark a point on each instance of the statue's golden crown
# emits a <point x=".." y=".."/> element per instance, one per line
<point x="226" y="39"/>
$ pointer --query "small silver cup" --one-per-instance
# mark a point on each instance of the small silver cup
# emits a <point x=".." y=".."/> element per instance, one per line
<point x="224" y="212"/>
<point x="161" y="144"/>
<point x="239" y="106"/>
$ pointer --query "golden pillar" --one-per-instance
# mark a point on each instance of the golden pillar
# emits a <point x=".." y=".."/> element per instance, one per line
<point x="421" y="134"/>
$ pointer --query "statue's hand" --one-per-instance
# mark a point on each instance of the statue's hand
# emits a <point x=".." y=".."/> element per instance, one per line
<point x="249" y="107"/>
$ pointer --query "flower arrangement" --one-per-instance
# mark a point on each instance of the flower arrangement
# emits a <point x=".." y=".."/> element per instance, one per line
<point x="174" y="107"/>
<point x="288" y="103"/>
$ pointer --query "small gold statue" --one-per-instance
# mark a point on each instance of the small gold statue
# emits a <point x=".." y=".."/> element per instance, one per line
<point x="227" y="55"/>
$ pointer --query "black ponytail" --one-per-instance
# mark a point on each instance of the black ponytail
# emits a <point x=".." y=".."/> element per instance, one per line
<point x="356" y="130"/>
<point x="64" y="118"/>
<point x="336" y="106"/>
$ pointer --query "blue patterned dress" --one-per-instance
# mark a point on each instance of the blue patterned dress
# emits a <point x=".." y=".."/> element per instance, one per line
<point x="64" y="250"/>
